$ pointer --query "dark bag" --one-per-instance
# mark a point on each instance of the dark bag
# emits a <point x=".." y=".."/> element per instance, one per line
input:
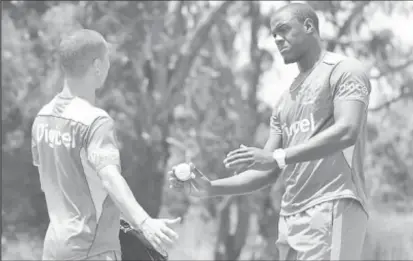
<point x="134" y="245"/>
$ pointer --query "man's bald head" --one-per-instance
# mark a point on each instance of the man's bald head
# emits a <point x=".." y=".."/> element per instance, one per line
<point x="301" y="12"/>
<point x="296" y="31"/>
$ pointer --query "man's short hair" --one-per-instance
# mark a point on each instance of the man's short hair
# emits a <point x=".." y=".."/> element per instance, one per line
<point x="302" y="11"/>
<point x="79" y="50"/>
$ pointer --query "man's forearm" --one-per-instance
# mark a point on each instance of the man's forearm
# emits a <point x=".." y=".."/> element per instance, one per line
<point x="122" y="196"/>
<point x="244" y="183"/>
<point x="334" y="139"/>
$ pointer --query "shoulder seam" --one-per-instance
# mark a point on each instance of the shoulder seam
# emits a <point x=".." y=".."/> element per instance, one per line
<point x="60" y="117"/>
<point x="85" y="138"/>
<point x="95" y="112"/>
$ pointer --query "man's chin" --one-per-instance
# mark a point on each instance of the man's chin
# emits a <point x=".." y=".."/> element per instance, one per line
<point x="288" y="60"/>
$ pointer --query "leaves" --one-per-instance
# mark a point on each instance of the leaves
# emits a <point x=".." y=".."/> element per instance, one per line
<point x="183" y="86"/>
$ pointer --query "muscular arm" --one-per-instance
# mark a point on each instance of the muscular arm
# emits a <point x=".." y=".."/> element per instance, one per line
<point x="121" y="194"/>
<point x="255" y="178"/>
<point x="351" y="89"/>
<point x="103" y="153"/>
<point x="341" y="135"/>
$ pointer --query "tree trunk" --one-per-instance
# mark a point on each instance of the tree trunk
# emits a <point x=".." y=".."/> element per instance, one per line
<point x="268" y="222"/>
<point x="148" y="177"/>
<point x="230" y="243"/>
<point x="232" y="235"/>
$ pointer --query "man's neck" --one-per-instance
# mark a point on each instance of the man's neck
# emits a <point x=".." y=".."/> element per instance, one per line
<point x="79" y="88"/>
<point x="308" y="61"/>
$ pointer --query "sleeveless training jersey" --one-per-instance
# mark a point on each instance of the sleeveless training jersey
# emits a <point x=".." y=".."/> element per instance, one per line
<point x="71" y="141"/>
<point x="308" y="109"/>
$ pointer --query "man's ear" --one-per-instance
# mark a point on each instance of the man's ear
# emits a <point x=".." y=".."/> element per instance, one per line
<point x="97" y="65"/>
<point x="309" y="25"/>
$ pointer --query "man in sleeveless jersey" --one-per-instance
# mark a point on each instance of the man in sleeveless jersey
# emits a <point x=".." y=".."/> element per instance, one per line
<point x="316" y="146"/>
<point x="75" y="149"/>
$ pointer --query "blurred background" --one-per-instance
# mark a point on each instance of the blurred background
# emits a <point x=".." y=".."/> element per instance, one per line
<point x="192" y="80"/>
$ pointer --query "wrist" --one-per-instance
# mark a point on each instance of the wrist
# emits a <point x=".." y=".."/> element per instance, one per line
<point x="279" y="157"/>
<point x="140" y="222"/>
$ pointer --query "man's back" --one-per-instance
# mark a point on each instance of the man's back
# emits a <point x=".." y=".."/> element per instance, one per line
<point x="84" y="220"/>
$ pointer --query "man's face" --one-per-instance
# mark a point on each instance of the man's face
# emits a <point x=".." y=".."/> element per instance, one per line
<point x="290" y="36"/>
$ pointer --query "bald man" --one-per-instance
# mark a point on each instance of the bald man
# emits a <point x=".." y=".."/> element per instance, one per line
<point x="75" y="149"/>
<point x="316" y="146"/>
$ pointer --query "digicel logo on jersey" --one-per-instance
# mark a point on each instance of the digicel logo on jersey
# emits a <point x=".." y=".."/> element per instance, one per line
<point x="55" y="137"/>
<point x="301" y="126"/>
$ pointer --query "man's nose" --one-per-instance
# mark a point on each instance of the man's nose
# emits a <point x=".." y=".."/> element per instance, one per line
<point x="279" y="41"/>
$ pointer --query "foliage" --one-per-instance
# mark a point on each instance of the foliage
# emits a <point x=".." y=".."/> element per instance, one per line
<point x="178" y="92"/>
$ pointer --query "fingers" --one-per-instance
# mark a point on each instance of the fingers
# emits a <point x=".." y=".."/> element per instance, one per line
<point x="170" y="233"/>
<point x="174" y="182"/>
<point x="166" y="240"/>
<point x="165" y="233"/>
<point x="242" y="157"/>
<point x="156" y="243"/>
<point x="238" y="162"/>
<point x="241" y="149"/>
<point x="197" y="172"/>
<point x="171" y="222"/>
<point x="171" y="173"/>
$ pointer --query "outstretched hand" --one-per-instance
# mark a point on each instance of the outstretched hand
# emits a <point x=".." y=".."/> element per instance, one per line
<point x="248" y="156"/>
<point x="198" y="185"/>
<point x="159" y="233"/>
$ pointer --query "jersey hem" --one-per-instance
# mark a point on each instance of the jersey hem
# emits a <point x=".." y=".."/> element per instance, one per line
<point x="320" y="200"/>
<point x="96" y="253"/>
<point x="86" y="256"/>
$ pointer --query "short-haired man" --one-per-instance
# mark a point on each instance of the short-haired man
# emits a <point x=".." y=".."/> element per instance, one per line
<point x="75" y="149"/>
<point x="316" y="146"/>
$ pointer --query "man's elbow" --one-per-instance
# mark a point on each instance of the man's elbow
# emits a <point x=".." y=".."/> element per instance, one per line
<point x="107" y="182"/>
<point x="350" y="135"/>
<point x="109" y="175"/>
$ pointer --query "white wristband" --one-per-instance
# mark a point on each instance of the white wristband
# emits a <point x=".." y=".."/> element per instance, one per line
<point x="279" y="156"/>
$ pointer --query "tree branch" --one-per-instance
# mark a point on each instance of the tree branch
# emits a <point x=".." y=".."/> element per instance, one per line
<point x="190" y="50"/>
<point x="255" y="55"/>
<point x="358" y="9"/>
<point x="391" y="101"/>
<point x="346" y="43"/>
<point x="394" y="69"/>
<point x="194" y="43"/>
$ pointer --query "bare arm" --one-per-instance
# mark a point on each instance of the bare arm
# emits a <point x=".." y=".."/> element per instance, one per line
<point x="257" y="177"/>
<point x="350" y="89"/>
<point x="244" y="183"/>
<point x="121" y="194"/>
<point x="103" y="153"/>
<point x="349" y="116"/>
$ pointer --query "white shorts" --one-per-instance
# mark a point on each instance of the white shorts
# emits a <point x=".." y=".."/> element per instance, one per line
<point x="332" y="230"/>
<point x="107" y="256"/>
